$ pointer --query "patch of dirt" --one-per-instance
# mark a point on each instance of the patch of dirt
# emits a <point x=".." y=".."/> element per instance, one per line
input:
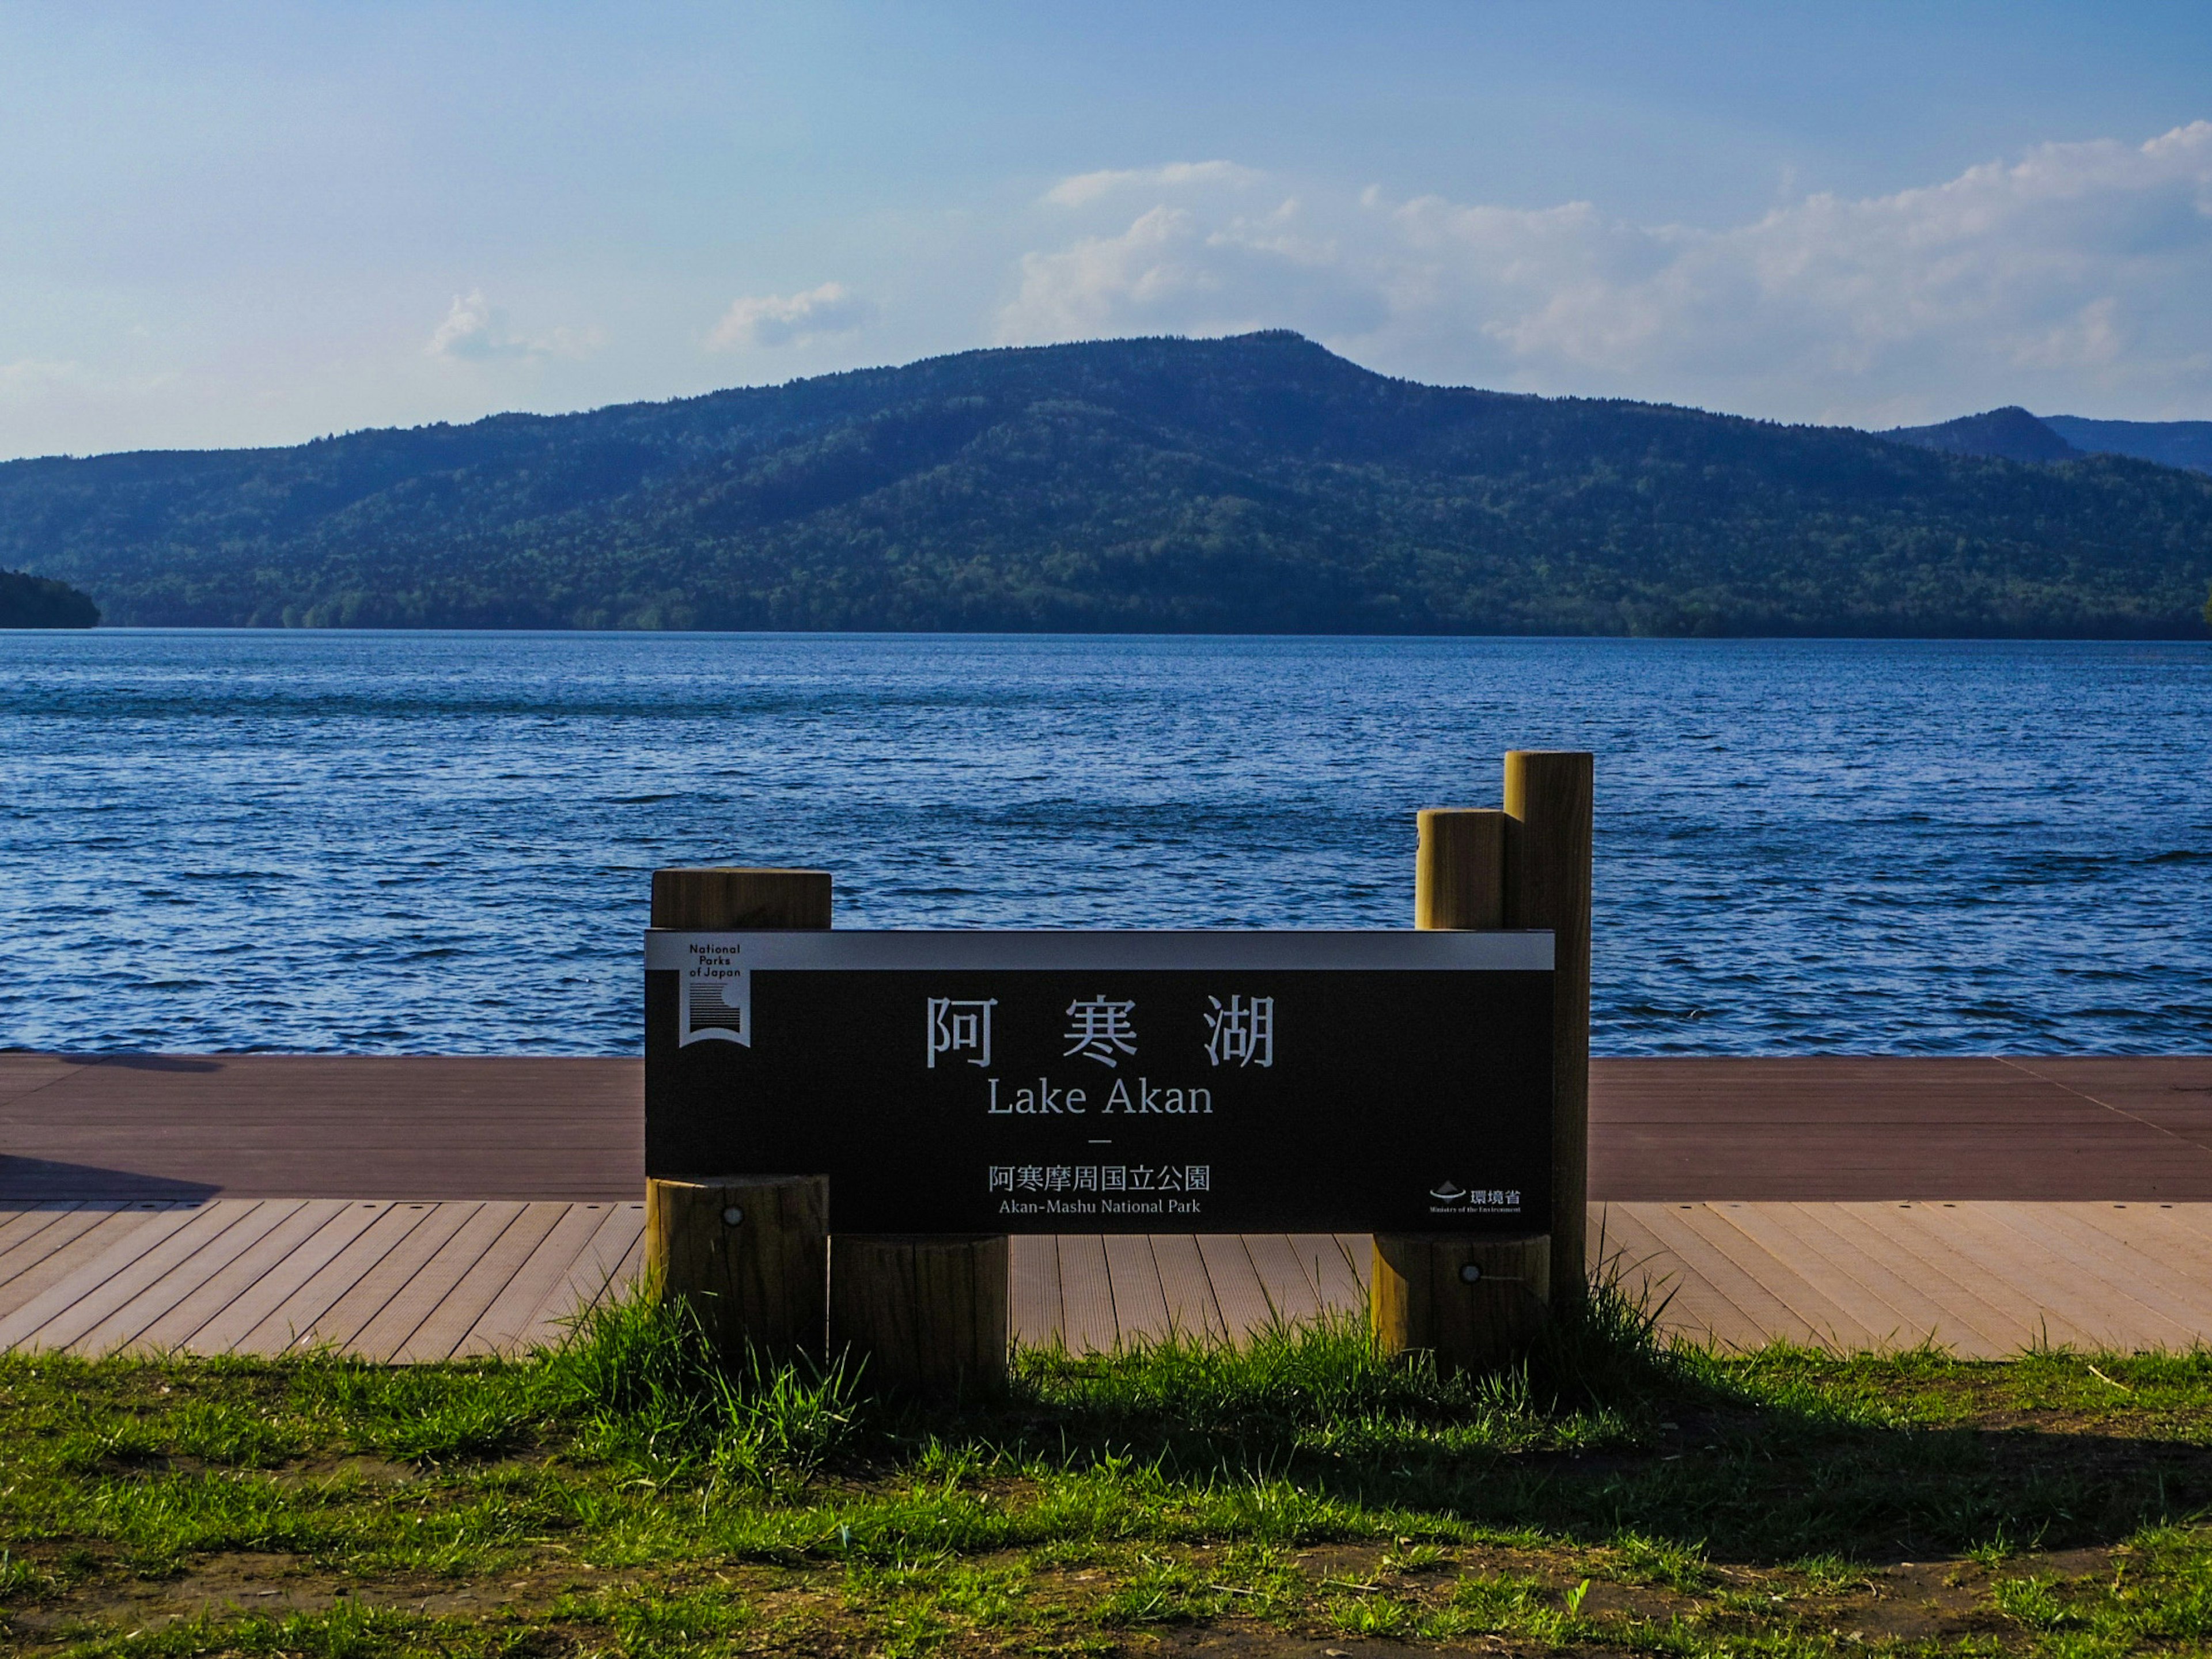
<point x="1604" y="1596"/>
<point x="278" y="1585"/>
<point x="370" y="1470"/>
<point x="1354" y="1561"/>
<point x="1238" y="1641"/>
<point x="1913" y="1600"/>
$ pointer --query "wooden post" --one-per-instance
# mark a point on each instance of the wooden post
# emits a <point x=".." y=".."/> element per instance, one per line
<point x="1550" y="797"/>
<point x="1473" y="1302"/>
<point x="1459" y="868"/>
<point x="926" y="1313"/>
<point x="728" y="898"/>
<point x="748" y="1252"/>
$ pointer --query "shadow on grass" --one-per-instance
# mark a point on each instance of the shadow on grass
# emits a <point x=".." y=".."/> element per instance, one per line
<point x="1607" y="1430"/>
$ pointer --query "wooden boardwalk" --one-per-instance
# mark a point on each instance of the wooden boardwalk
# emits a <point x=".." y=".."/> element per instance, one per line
<point x="334" y="1125"/>
<point x="426" y="1209"/>
<point x="385" y="1280"/>
<point x="429" y="1280"/>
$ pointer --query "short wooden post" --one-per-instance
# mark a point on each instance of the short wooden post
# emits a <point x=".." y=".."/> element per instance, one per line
<point x="748" y="1252"/>
<point x="1473" y="1302"/>
<point x="1550" y="797"/>
<point x="1459" y="868"/>
<point x="927" y="1315"/>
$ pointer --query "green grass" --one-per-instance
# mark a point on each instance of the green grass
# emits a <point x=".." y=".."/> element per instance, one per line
<point x="622" y="1496"/>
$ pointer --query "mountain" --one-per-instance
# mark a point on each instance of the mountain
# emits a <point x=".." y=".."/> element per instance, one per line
<point x="2010" y="434"/>
<point x="1257" y="484"/>
<point x="2170" y="443"/>
<point x="28" y="601"/>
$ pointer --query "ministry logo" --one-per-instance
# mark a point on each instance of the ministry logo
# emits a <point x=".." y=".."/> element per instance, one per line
<point x="1450" y="1198"/>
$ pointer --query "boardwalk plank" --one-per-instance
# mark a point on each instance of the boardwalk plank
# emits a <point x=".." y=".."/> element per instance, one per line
<point x="1685" y="1301"/>
<point x="2179" y="1234"/>
<point x="22" y="1074"/>
<point x="430" y="1225"/>
<point x="1832" y="1326"/>
<point x="413" y="1304"/>
<point x="506" y="1324"/>
<point x="1761" y="1313"/>
<point x="1283" y="1278"/>
<point x="632" y="1264"/>
<point x="2081" y="1256"/>
<point x="191" y="1281"/>
<point x="1033" y="1290"/>
<point x="26" y="1270"/>
<point x="2196" y="1218"/>
<point x="1186" y="1288"/>
<point x="291" y="1323"/>
<point x="72" y="1306"/>
<point x="464" y="1128"/>
<point x="1328" y="1270"/>
<point x="1237" y="1291"/>
<point x="482" y="1278"/>
<point x="21" y="1224"/>
<point x="2164" y="1257"/>
<point x="1811" y="1128"/>
<point x="226" y="1331"/>
<point x="1932" y="1235"/>
<point x="2071" y="1294"/>
<point x="2014" y="1280"/>
<point x="1086" y="1294"/>
<point x="1140" y="1305"/>
<point x="1987" y="1278"/>
<point x="1892" y="1310"/>
<point x="1972" y="1326"/>
<point x="1359" y="1256"/>
<point x="596" y="1277"/>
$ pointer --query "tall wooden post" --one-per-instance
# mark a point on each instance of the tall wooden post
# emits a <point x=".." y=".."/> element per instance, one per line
<point x="728" y="898"/>
<point x="1550" y="799"/>
<point x="748" y="1252"/>
<point x="1473" y="1302"/>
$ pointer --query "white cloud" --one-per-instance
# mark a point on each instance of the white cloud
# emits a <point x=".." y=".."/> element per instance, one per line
<point x="1190" y="270"/>
<point x="474" y="330"/>
<point x="27" y="378"/>
<point x="775" y="319"/>
<point x="1085" y="188"/>
<point x="2074" y="275"/>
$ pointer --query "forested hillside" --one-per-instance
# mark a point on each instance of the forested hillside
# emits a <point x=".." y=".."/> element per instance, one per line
<point x="28" y="601"/>
<point x="1256" y="483"/>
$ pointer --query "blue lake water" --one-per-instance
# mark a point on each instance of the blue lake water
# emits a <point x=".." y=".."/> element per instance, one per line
<point x="439" y="842"/>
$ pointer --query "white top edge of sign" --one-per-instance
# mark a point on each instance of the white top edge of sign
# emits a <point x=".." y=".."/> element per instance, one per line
<point x="1164" y="949"/>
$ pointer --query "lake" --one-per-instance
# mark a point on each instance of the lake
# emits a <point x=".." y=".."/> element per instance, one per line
<point x="439" y="842"/>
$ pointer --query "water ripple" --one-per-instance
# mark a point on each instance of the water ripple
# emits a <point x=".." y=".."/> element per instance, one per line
<point x="439" y="842"/>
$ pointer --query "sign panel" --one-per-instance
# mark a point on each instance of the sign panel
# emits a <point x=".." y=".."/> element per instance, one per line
<point x="1099" y="1082"/>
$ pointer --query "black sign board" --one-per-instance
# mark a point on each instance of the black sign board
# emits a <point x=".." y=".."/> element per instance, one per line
<point x="1100" y="1082"/>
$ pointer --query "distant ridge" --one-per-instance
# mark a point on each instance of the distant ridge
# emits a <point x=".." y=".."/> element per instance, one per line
<point x="2010" y="434"/>
<point x="2170" y="443"/>
<point x="1252" y="485"/>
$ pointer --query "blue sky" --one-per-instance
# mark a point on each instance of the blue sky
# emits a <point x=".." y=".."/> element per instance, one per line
<point x="244" y="224"/>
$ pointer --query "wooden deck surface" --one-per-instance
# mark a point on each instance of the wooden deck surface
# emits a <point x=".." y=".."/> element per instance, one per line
<point x="427" y="1280"/>
<point x="423" y="1208"/>
<point x="326" y="1125"/>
